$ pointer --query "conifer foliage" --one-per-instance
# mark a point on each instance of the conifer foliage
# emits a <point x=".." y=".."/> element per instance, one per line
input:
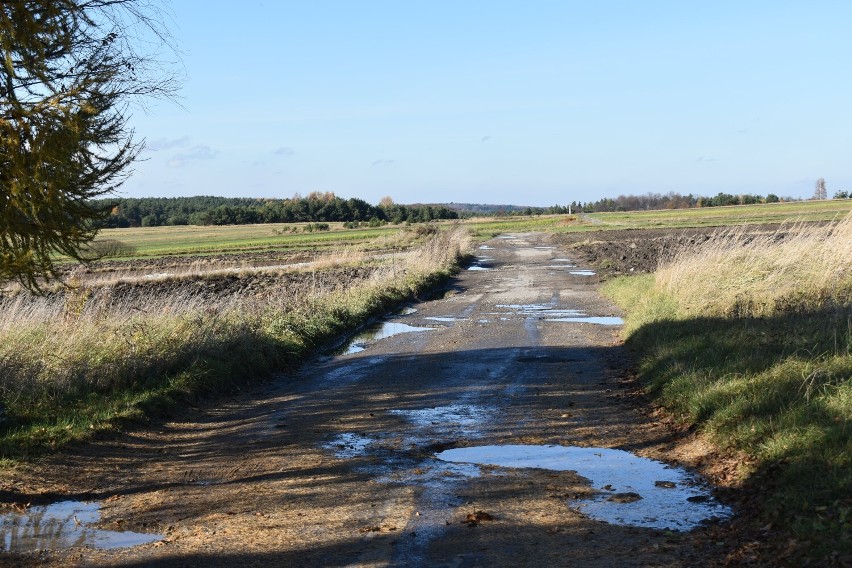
<point x="69" y="69"/>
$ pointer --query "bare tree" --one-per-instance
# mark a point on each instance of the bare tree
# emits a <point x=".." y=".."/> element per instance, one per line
<point x="819" y="189"/>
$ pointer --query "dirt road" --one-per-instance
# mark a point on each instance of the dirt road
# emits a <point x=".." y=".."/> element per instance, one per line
<point x="337" y="465"/>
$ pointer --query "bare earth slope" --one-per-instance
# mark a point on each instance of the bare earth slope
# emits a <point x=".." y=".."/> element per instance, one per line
<point x="335" y="465"/>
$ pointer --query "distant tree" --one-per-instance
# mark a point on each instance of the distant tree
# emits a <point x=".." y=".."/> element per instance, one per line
<point x="772" y="198"/>
<point x="68" y="71"/>
<point x="819" y="189"/>
<point x="841" y="195"/>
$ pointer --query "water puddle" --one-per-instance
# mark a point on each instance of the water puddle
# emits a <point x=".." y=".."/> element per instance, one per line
<point x="608" y="320"/>
<point x="635" y="491"/>
<point x="454" y="419"/>
<point x="444" y="318"/>
<point x="561" y="260"/>
<point x="560" y="266"/>
<point x="486" y="247"/>
<point x="544" y="248"/>
<point x="377" y="332"/>
<point x="507" y="237"/>
<point x="582" y="272"/>
<point x="62" y="525"/>
<point x="349" y="445"/>
<point x="540" y="310"/>
<point x="477" y="267"/>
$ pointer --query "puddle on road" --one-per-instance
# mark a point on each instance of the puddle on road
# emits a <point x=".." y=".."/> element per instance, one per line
<point x="609" y="320"/>
<point x="452" y="419"/>
<point x="540" y="310"/>
<point x="63" y="525"/>
<point x="561" y="266"/>
<point x="348" y="445"/>
<point x="507" y="237"/>
<point x="668" y="497"/>
<point x="477" y="267"/>
<point x="582" y="272"/>
<point x="561" y="260"/>
<point x="377" y="332"/>
<point x="444" y="318"/>
<point x="486" y="247"/>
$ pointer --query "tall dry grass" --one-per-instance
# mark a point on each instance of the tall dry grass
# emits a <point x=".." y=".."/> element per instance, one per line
<point x="59" y="350"/>
<point x="801" y="266"/>
<point x="749" y="338"/>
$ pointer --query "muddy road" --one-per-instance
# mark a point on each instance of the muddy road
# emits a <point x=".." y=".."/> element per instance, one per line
<point x="515" y="377"/>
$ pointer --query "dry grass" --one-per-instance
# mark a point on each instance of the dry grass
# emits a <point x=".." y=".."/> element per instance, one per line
<point x="737" y="274"/>
<point x="65" y="356"/>
<point x="750" y="340"/>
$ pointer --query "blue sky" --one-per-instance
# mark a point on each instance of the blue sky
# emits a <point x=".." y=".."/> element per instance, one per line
<point x="532" y="103"/>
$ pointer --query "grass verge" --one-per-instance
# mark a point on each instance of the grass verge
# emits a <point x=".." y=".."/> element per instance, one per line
<point x="85" y="362"/>
<point x="751" y="342"/>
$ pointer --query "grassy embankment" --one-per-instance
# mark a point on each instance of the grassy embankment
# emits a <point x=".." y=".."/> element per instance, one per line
<point x="751" y="340"/>
<point x="81" y="362"/>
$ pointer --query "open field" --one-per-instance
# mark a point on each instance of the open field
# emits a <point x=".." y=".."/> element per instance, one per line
<point x="818" y="210"/>
<point x="202" y="240"/>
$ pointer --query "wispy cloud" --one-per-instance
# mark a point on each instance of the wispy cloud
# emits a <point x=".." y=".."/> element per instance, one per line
<point x="284" y="151"/>
<point x="383" y="162"/>
<point x="166" y="143"/>
<point x="485" y="138"/>
<point x="199" y="152"/>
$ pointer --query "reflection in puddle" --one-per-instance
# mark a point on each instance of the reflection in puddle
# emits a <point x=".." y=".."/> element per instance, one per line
<point x="507" y="237"/>
<point x="477" y="267"/>
<point x="63" y="525"/>
<point x="486" y="247"/>
<point x="375" y="333"/>
<point x="444" y="318"/>
<point x="582" y="272"/>
<point x="665" y="496"/>
<point x="609" y="320"/>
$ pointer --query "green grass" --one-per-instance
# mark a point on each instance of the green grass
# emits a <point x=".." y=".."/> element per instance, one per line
<point x="200" y="240"/>
<point x="777" y="387"/>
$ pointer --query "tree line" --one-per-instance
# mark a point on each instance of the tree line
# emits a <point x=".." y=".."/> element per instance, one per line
<point x="671" y="200"/>
<point x="210" y="210"/>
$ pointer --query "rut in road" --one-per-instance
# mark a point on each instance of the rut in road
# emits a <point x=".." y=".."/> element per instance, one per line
<point x="336" y="465"/>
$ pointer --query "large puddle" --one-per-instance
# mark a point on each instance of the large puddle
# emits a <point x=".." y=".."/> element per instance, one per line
<point x="61" y="525"/>
<point x="582" y="272"/>
<point x="634" y="491"/>
<point x="376" y="333"/>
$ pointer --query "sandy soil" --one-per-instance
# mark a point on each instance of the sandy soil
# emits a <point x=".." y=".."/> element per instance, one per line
<point x="335" y="465"/>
